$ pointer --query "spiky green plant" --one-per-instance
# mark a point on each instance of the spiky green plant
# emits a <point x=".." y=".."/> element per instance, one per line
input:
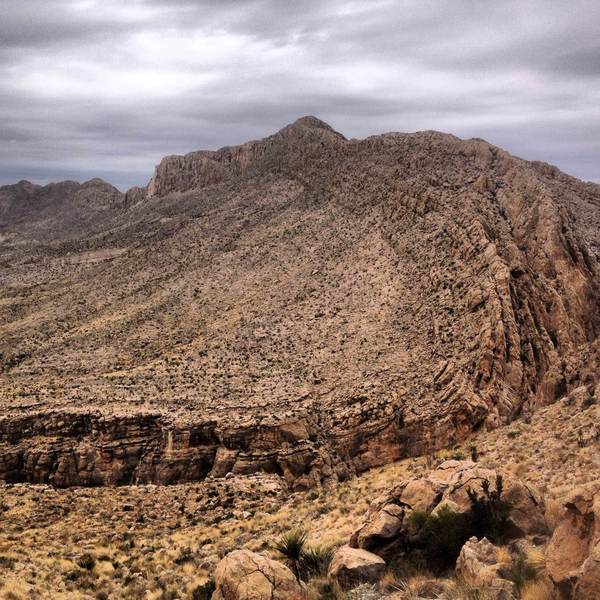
<point x="291" y="546"/>
<point x="314" y="562"/>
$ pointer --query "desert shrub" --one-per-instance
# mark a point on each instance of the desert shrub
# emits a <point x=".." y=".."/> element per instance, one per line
<point x="560" y="389"/>
<point x="436" y="539"/>
<point x="474" y="452"/>
<point x="489" y="513"/>
<point x="418" y="518"/>
<point x="521" y="572"/>
<point x="86" y="561"/>
<point x="104" y="558"/>
<point x="457" y="455"/>
<point x="588" y="401"/>
<point x="204" y="591"/>
<point x="73" y="574"/>
<point x="7" y="562"/>
<point x="186" y="555"/>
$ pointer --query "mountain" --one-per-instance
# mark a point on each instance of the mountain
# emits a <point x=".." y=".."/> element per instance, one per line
<point x="304" y="304"/>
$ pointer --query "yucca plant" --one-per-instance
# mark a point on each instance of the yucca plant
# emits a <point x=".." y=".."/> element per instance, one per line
<point x="315" y="562"/>
<point x="291" y="546"/>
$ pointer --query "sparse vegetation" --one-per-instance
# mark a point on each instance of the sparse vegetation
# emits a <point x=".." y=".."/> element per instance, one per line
<point x="166" y="531"/>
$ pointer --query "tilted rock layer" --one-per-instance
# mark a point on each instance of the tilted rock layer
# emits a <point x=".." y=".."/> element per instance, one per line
<point x="304" y="304"/>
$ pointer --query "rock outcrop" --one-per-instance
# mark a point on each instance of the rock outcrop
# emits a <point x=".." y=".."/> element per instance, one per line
<point x="331" y="304"/>
<point x="245" y="575"/>
<point x="80" y="448"/>
<point x="387" y="524"/>
<point x="573" y="553"/>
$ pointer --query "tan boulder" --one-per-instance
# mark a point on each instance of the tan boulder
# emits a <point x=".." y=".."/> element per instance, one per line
<point x="352" y="566"/>
<point x="478" y="565"/>
<point x="246" y="575"/>
<point x="382" y="526"/>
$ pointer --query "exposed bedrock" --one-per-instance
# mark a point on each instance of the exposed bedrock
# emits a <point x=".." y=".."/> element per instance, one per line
<point x="89" y="449"/>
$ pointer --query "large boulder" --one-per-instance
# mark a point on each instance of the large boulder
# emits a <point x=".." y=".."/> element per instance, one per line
<point x="479" y="566"/>
<point x="573" y="553"/>
<point x="352" y="566"/>
<point x="246" y="575"/>
<point x="386" y="523"/>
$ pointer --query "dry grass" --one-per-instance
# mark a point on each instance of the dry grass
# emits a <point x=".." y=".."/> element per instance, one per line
<point x="537" y="559"/>
<point x="140" y="558"/>
<point x="503" y="556"/>
<point x="538" y="590"/>
<point x="554" y="512"/>
<point x="12" y="589"/>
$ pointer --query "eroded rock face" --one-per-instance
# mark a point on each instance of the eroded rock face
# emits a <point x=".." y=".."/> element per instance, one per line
<point x="352" y="566"/>
<point x="246" y="575"/>
<point x="388" y="296"/>
<point x="572" y="556"/>
<point x="79" y="448"/>
<point x="387" y="522"/>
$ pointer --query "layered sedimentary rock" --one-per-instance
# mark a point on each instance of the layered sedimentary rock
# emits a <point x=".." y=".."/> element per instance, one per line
<point x="83" y="448"/>
<point x="304" y="304"/>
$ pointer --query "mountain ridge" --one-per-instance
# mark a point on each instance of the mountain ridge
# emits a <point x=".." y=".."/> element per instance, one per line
<point x="303" y="304"/>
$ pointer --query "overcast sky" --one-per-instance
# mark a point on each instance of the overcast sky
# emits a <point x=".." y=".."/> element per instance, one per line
<point x="107" y="87"/>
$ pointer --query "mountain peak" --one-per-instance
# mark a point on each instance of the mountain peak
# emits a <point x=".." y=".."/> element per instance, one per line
<point x="314" y="123"/>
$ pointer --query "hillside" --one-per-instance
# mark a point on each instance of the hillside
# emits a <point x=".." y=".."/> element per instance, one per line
<point x="304" y="305"/>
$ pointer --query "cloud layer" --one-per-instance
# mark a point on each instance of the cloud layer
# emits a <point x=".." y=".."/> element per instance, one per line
<point x="106" y="87"/>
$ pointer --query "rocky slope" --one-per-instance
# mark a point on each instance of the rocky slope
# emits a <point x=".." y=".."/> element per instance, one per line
<point x="304" y="305"/>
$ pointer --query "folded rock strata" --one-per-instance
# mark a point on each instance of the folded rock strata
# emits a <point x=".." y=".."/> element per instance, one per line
<point x="304" y="304"/>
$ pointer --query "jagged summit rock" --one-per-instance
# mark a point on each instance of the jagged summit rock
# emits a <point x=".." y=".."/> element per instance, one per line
<point x="311" y="122"/>
<point x="204" y="168"/>
<point x="303" y="304"/>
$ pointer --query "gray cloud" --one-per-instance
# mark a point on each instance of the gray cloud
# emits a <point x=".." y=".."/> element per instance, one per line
<point x="107" y="88"/>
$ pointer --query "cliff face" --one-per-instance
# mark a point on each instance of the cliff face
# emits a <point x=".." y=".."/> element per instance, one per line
<point x="305" y="305"/>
